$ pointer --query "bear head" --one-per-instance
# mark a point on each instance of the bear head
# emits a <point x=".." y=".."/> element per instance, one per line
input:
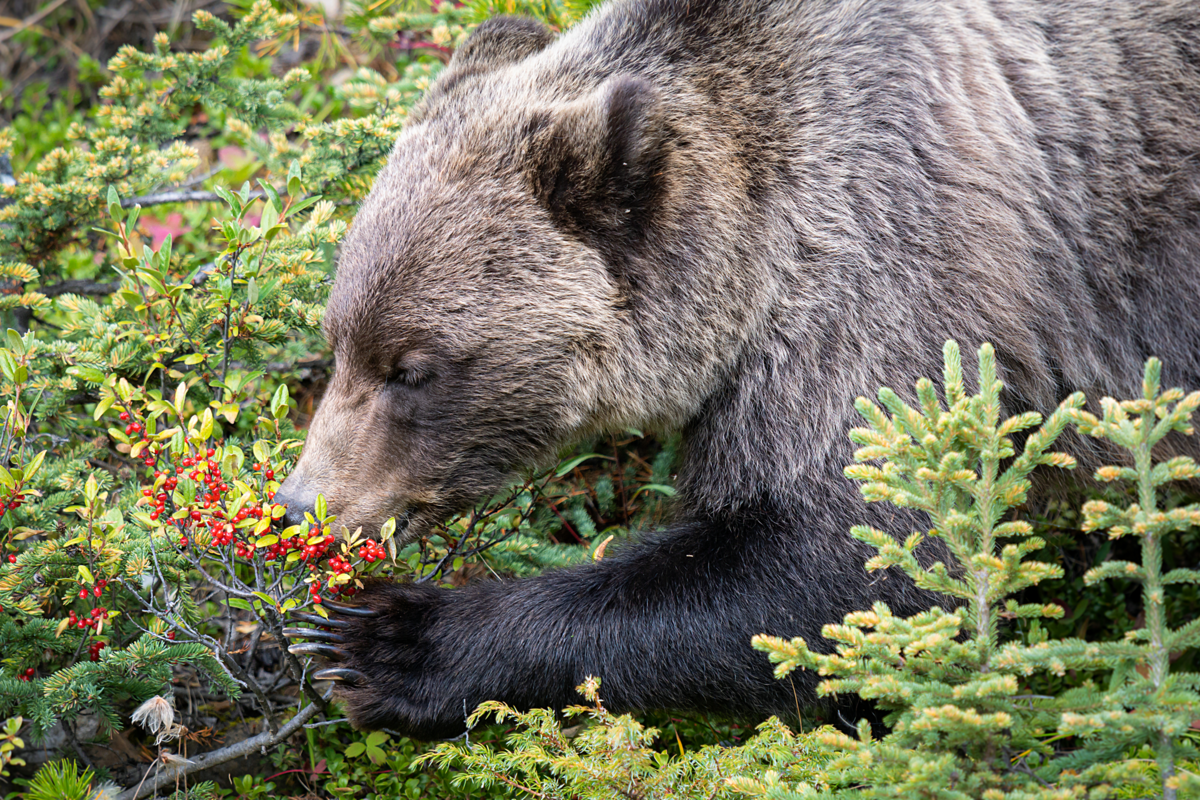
<point x="490" y="304"/>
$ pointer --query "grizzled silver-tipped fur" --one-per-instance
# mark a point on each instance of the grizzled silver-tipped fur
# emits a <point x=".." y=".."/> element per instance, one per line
<point x="732" y="219"/>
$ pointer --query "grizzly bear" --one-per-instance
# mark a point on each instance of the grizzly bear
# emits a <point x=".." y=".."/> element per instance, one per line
<point x="729" y="220"/>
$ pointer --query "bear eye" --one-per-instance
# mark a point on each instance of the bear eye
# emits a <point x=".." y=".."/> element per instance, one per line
<point x="407" y="376"/>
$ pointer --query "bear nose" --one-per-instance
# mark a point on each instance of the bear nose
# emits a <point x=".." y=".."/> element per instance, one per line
<point x="298" y="496"/>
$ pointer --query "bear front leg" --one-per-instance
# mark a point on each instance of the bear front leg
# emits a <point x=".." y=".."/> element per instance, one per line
<point x="665" y="624"/>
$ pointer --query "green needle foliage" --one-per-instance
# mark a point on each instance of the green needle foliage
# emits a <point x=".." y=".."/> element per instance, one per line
<point x="1145" y="705"/>
<point x="957" y="721"/>
<point x="614" y="756"/>
<point x="962" y="726"/>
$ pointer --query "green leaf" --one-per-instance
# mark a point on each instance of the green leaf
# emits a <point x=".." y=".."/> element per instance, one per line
<point x="36" y="464"/>
<point x="273" y="195"/>
<point x="270" y="218"/>
<point x="387" y="530"/>
<point x="252" y="291"/>
<point x="299" y="206"/>
<point x="663" y="489"/>
<point x="322" y="507"/>
<point x="238" y="602"/>
<point x="264" y="596"/>
<point x="15" y="342"/>
<point x="294" y="185"/>
<point x="114" y="204"/>
<point x="279" y="402"/>
<point x="230" y="199"/>
<point x="91" y="375"/>
<point x="567" y="466"/>
<point x="104" y="405"/>
<point x="355" y="749"/>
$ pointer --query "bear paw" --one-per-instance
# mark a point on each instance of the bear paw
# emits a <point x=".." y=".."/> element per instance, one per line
<point x="379" y="653"/>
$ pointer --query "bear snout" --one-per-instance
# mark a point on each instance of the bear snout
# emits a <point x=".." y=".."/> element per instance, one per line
<point x="299" y="496"/>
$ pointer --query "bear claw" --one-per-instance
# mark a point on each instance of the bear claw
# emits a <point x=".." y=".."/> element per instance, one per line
<point x="350" y="676"/>
<point x="349" y="611"/>
<point x="300" y="616"/>
<point x="315" y="634"/>
<point x="315" y="649"/>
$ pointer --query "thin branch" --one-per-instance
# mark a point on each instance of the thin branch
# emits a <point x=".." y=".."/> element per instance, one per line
<point x="31" y="21"/>
<point x="180" y="196"/>
<point x="211" y="759"/>
<point x="80" y="287"/>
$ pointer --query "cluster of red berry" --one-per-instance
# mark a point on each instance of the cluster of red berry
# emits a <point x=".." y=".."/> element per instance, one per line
<point x="94" y="650"/>
<point x="90" y="621"/>
<point x="27" y="675"/>
<point x="210" y="510"/>
<point x="280" y="549"/>
<point x="149" y="450"/>
<point x="316" y="546"/>
<point x="160" y="499"/>
<point x="372" y="551"/>
<point x="13" y="503"/>
<point x="95" y="591"/>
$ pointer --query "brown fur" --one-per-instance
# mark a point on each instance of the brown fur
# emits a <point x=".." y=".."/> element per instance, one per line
<point x="732" y="219"/>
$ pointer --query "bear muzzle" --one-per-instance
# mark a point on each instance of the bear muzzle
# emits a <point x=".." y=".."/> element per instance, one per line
<point x="299" y="496"/>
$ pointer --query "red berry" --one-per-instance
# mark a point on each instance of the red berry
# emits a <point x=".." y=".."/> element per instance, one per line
<point x="12" y="558"/>
<point x="83" y="593"/>
<point x="97" y="591"/>
<point x="210" y="452"/>
<point x="171" y="635"/>
<point x="183" y="541"/>
<point x="123" y="416"/>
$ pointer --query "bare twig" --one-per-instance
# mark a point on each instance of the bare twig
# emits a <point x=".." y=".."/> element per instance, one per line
<point x="80" y="287"/>
<point x="179" y="196"/>
<point x="30" y="21"/>
<point x="211" y="759"/>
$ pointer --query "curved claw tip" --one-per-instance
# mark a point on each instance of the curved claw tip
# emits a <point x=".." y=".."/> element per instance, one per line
<point x="316" y="634"/>
<point x="314" y="649"/>
<point x="316" y="619"/>
<point x="349" y="611"/>
<point x="350" y="676"/>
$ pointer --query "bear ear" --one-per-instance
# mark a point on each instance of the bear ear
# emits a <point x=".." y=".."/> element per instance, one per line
<point x="597" y="164"/>
<point x="497" y="42"/>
